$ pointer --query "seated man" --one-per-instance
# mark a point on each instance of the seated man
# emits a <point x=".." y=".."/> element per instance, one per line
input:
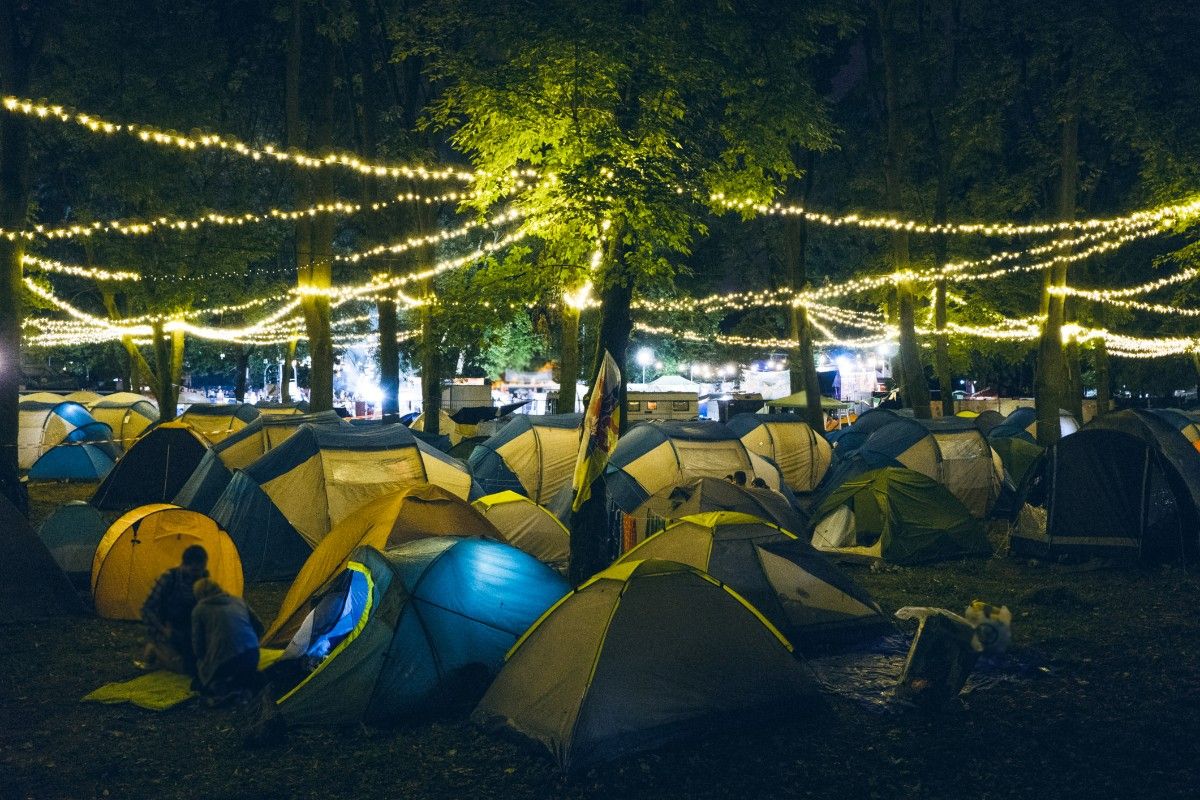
<point x="225" y="640"/>
<point x="167" y="613"/>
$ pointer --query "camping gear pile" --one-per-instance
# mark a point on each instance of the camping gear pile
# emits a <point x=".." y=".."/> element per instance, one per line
<point x="421" y="583"/>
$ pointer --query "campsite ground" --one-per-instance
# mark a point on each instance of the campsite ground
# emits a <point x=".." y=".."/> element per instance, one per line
<point x="1115" y="712"/>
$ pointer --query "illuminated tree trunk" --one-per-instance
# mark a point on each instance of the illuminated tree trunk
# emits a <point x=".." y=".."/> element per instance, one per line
<point x="914" y="386"/>
<point x="288" y="374"/>
<point x="164" y="390"/>
<point x="431" y="369"/>
<point x="317" y="310"/>
<point x="568" y="358"/>
<point x="1103" y="379"/>
<point x="616" y="321"/>
<point x="1052" y="379"/>
<point x="802" y="364"/>
<point x="941" y="350"/>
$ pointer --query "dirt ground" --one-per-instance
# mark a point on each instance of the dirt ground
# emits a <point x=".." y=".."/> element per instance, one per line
<point x="1113" y="711"/>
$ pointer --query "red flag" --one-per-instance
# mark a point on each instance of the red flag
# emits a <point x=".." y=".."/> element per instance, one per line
<point x="601" y="425"/>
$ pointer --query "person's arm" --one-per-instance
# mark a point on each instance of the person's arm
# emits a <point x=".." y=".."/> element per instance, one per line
<point x="152" y="608"/>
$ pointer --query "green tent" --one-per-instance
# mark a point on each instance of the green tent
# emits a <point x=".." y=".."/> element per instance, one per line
<point x="900" y="516"/>
<point x="1018" y="456"/>
<point x="800" y="400"/>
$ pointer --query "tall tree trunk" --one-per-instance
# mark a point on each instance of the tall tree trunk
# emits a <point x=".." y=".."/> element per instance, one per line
<point x="242" y="363"/>
<point x="941" y="350"/>
<point x="288" y="373"/>
<point x="915" y="388"/>
<point x="1052" y="379"/>
<point x="18" y="47"/>
<point x="140" y="373"/>
<point x="317" y="308"/>
<point x="1103" y="379"/>
<point x="802" y="364"/>
<point x="177" y="345"/>
<point x="568" y="357"/>
<point x="430" y="353"/>
<point x="616" y="322"/>
<point x="389" y="358"/>
<point x="164" y="390"/>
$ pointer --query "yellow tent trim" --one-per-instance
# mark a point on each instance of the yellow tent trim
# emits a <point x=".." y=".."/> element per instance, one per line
<point x="358" y="628"/>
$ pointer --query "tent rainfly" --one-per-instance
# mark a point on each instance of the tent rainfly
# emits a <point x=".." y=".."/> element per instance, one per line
<point x="416" y="512"/>
<point x="527" y="526"/>
<point x="643" y="653"/>
<point x="1022" y="423"/>
<point x="802" y="454"/>
<point x="71" y="534"/>
<point x="216" y="421"/>
<point x="203" y="488"/>
<point x="420" y="626"/>
<point x="42" y="425"/>
<point x="128" y="414"/>
<point x="531" y="455"/>
<point x="705" y="495"/>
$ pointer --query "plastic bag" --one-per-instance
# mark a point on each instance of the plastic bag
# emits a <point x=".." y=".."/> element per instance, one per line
<point x="993" y="626"/>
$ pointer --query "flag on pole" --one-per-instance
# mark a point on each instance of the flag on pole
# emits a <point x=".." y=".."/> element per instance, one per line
<point x="601" y="425"/>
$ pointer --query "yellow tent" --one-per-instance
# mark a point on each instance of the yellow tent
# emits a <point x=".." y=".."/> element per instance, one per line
<point x="527" y="525"/>
<point x="145" y="543"/>
<point x="414" y="512"/>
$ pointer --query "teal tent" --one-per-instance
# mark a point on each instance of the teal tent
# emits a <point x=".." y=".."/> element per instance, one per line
<point x="900" y="516"/>
<point x="418" y="627"/>
<point x="71" y="534"/>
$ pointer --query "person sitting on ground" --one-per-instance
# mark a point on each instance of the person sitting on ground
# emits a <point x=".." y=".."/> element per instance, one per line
<point x="739" y="478"/>
<point x="225" y="639"/>
<point x="167" y="613"/>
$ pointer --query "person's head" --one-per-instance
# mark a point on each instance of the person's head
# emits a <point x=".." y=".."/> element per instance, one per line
<point x="739" y="478"/>
<point x="206" y="587"/>
<point x="195" y="562"/>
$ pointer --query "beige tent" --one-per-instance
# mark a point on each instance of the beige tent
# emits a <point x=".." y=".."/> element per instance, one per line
<point x="527" y="525"/>
<point x="802" y="454"/>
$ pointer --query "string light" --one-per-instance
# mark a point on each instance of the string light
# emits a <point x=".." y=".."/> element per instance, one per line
<point x="433" y="238"/>
<point x="95" y="273"/>
<point x="212" y="141"/>
<point x="1165" y="214"/>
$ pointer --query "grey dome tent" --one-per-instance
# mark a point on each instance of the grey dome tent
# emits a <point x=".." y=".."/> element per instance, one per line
<point x="71" y="534"/>
<point x="643" y="653"/>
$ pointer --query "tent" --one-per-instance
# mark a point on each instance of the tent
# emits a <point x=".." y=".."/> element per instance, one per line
<point x="897" y="515"/>
<point x="216" y="421"/>
<point x="643" y="653"/>
<point x="799" y="400"/>
<point x="416" y="512"/>
<point x="46" y="424"/>
<point x="71" y="534"/>
<point x="83" y="397"/>
<point x="531" y="455"/>
<point x="951" y="450"/>
<point x="1128" y="485"/>
<point x="86" y="461"/>
<point x="240" y="450"/>
<point x="704" y="495"/>
<point x="154" y="469"/>
<point x="323" y="473"/>
<point x="128" y="414"/>
<point x="145" y="543"/>
<point x="418" y="627"/>
<point x="801" y="453"/>
<point x="268" y="409"/>
<point x="1022" y="423"/>
<point x="32" y="586"/>
<point x="1186" y="422"/>
<point x="1019" y="457"/>
<point x="447" y="427"/>
<point x="987" y="420"/>
<point x="656" y="455"/>
<point x="795" y="587"/>
<point x="527" y="526"/>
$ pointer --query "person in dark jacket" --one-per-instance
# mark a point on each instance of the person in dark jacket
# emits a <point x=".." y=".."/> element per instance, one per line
<point x="167" y="613"/>
<point x="225" y="639"/>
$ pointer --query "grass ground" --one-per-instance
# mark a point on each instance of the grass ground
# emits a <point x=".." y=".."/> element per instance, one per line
<point x="1116" y="713"/>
